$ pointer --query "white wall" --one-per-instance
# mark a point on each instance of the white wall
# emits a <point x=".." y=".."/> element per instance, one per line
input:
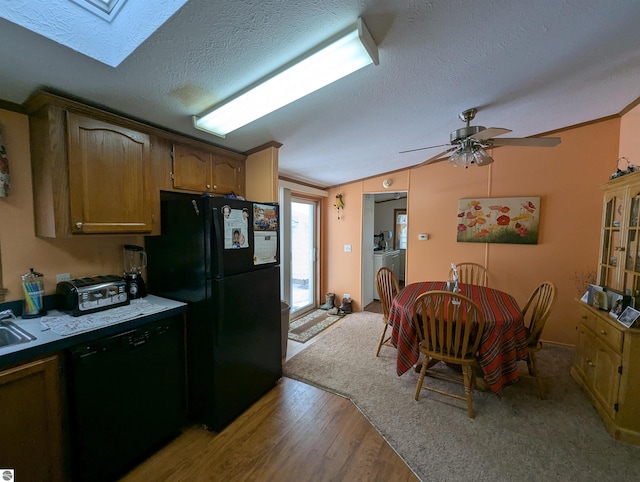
<point x="383" y="217"/>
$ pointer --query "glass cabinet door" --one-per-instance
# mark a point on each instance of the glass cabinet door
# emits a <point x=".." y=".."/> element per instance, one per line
<point x="612" y="255"/>
<point x="631" y="282"/>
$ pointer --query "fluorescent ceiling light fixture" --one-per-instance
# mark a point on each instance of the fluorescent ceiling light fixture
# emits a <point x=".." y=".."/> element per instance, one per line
<point x="323" y="65"/>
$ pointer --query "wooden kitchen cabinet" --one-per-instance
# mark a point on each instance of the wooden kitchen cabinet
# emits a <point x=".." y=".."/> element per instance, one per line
<point x="606" y="368"/>
<point x="607" y="362"/>
<point x="200" y="170"/>
<point x="31" y="421"/>
<point x="109" y="177"/>
<point x="90" y="175"/>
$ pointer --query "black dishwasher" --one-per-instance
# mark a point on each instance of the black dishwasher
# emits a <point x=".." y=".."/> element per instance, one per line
<point x="126" y="398"/>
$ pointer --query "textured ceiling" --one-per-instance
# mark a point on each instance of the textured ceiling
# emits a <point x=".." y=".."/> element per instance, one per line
<point x="528" y="66"/>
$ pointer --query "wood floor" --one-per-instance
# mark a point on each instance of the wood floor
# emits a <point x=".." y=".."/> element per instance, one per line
<point x="294" y="433"/>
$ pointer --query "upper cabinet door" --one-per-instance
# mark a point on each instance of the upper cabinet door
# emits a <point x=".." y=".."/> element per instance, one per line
<point x="227" y="176"/>
<point x="199" y="170"/>
<point x="619" y="264"/>
<point x="631" y="277"/>
<point x="109" y="177"/>
<point x="611" y="239"/>
<point x="191" y="168"/>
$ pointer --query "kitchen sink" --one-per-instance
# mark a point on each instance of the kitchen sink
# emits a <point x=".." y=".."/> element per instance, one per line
<point x="12" y="334"/>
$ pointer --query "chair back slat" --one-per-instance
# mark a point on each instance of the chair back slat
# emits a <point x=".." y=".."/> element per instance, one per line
<point x="388" y="287"/>
<point x="537" y="310"/>
<point x="472" y="273"/>
<point x="449" y="325"/>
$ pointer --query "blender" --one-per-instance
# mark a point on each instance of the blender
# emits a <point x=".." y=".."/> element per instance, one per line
<point x="135" y="259"/>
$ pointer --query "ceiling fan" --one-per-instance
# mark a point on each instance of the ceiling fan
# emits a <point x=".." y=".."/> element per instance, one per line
<point x="467" y="145"/>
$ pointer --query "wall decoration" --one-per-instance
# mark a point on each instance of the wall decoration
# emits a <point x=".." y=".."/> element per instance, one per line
<point x="339" y="203"/>
<point x="4" y="168"/>
<point x="512" y="220"/>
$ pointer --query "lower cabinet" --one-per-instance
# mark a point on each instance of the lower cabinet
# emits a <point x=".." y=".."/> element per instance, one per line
<point x="94" y="411"/>
<point x="31" y="439"/>
<point x="607" y="367"/>
<point x="126" y="398"/>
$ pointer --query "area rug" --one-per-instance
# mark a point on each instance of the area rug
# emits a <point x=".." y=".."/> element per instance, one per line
<point x="518" y="437"/>
<point x="308" y="326"/>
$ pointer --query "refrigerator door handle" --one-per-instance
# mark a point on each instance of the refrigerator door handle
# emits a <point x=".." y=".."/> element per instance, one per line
<point x="195" y="207"/>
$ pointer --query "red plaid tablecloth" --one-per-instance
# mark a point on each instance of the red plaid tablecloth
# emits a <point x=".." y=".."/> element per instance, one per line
<point x="504" y="340"/>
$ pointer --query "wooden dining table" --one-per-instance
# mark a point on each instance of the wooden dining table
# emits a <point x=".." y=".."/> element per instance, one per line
<point x="504" y="339"/>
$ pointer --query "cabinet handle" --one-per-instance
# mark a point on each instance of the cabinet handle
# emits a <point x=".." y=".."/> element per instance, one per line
<point x="590" y="363"/>
<point x="79" y="225"/>
<point x="603" y="332"/>
<point x="619" y="248"/>
<point x="215" y="187"/>
<point x="584" y="317"/>
<point x="208" y="186"/>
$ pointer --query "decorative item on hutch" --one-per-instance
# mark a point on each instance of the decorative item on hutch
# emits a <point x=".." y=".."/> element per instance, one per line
<point x="623" y="167"/>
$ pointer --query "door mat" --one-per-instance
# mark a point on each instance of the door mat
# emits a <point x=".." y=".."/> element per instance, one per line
<point x="308" y="326"/>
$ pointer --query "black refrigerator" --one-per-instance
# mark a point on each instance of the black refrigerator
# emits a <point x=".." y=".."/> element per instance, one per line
<point x="221" y="256"/>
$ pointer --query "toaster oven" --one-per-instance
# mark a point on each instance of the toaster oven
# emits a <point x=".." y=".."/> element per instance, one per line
<point x="82" y="296"/>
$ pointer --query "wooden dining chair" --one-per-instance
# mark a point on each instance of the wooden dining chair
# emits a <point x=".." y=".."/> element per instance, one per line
<point x="535" y="313"/>
<point x="471" y="273"/>
<point x="449" y="327"/>
<point x="388" y="287"/>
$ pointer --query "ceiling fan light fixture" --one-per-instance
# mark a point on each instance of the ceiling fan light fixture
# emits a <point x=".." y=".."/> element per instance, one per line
<point x="462" y="157"/>
<point x="481" y="157"/>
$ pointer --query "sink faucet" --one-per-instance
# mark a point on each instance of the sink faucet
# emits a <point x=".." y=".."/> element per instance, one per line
<point x="7" y="314"/>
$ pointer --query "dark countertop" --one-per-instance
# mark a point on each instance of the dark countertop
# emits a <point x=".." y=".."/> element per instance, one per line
<point x="47" y="342"/>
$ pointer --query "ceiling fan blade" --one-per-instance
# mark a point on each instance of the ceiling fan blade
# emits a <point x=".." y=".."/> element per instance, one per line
<point x="489" y="133"/>
<point x="439" y="157"/>
<point x="527" y="141"/>
<point x="423" y="148"/>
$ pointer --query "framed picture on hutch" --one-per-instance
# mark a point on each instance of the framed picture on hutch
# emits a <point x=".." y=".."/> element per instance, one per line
<point x="629" y="316"/>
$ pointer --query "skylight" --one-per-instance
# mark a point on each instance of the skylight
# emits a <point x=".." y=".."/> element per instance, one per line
<point x="105" y="9"/>
<point x="94" y="28"/>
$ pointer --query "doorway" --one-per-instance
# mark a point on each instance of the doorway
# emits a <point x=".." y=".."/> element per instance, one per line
<point x="384" y="231"/>
<point x="304" y="270"/>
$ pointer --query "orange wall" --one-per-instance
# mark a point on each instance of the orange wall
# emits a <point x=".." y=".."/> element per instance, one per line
<point x="566" y="178"/>
<point x="629" y="138"/>
<point x="340" y="273"/>
<point x="20" y="249"/>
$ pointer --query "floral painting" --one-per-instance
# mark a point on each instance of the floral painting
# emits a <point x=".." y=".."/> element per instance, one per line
<point x="513" y="220"/>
